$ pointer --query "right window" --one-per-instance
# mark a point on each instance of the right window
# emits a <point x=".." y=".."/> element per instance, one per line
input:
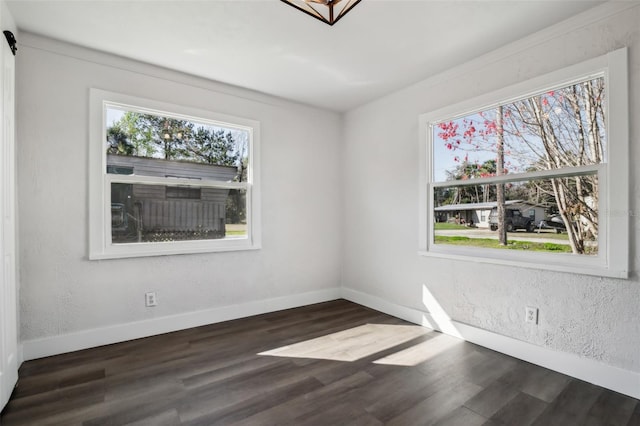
<point x="534" y="174"/>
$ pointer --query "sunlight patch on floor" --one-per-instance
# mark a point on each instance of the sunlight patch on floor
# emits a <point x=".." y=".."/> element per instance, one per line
<point x="352" y="344"/>
<point x="421" y="352"/>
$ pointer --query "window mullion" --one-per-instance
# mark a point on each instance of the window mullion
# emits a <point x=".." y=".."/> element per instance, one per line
<point x="154" y="180"/>
<point x="590" y="169"/>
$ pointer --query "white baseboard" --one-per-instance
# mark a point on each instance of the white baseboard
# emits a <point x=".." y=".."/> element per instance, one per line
<point x="613" y="378"/>
<point x="39" y="348"/>
<point x="616" y="379"/>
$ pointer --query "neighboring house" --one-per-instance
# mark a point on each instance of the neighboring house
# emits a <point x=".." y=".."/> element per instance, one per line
<point x="478" y="213"/>
<point x="152" y="212"/>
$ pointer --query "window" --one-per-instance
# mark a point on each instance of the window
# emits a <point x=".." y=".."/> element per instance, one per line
<point x="547" y="158"/>
<point x="172" y="180"/>
<point x="184" y="192"/>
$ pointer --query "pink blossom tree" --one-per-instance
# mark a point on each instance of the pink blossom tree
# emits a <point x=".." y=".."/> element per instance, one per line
<point x="553" y="130"/>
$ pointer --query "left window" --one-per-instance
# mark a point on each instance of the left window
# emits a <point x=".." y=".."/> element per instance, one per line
<point x="167" y="179"/>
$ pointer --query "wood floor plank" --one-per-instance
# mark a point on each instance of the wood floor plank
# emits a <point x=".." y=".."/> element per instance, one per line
<point x="492" y="368"/>
<point x="462" y="416"/>
<point x="59" y="379"/>
<point x="635" y="417"/>
<point x="250" y="405"/>
<point x="571" y="406"/>
<point x="389" y="397"/>
<point x="522" y="410"/>
<point x="437" y="406"/>
<point x="165" y="418"/>
<point x="536" y="381"/>
<point x="228" y="370"/>
<point x="492" y="398"/>
<point x="415" y="386"/>
<point x="315" y="401"/>
<point x="340" y="414"/>
<point x="41" y="407"/>
<point x="130" y="412"/>
<point x="611" y="408"/>
<point x="334" y="363"/>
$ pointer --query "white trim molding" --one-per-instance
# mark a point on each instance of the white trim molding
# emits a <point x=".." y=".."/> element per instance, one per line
<point x="55" y="345"/>
<point x="101" y="245"/>
<point x="613" y="378"/>
<point x="609" y="377"/>
<point x="612" y="259"/>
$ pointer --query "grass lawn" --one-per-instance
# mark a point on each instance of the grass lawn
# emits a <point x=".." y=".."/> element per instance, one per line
<point x="563" y="237"/>
<point x="235" y="229"/>
<point x="512" y="244"/>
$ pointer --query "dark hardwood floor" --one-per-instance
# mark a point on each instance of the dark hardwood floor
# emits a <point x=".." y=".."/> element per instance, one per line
<point x="334" y="363"/>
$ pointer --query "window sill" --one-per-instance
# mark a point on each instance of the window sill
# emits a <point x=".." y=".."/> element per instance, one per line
<point x="124" y="251"/>
<point x="575" y="264"/>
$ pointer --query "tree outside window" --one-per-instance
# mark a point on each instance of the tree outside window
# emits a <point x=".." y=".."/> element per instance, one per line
<point x="559" y="132"/>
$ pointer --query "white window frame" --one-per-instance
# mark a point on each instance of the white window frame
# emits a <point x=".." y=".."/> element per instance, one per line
<point x="612" y="259"/>
<point x="100" y="244"/>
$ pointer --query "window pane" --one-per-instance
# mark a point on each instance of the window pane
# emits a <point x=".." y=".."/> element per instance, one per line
<point x="236" y="220"/>
<point x="119" y="164"/>
<point x="559" y="128"/>
<point x="150" y="213"/>
<point x="185" y="192"/>
<point x="154" y="145"/>
<point x="558" y="215"/>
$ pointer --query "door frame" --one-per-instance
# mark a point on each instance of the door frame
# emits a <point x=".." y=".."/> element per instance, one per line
<point x="9" y="355"/>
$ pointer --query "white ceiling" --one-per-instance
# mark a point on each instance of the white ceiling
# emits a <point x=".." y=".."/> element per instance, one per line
<point x="268" y="46"/>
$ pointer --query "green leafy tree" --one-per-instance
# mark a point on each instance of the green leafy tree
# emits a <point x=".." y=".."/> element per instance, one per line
<point x="139" y="137"/>
<point x="147" y="135"/>
<point x="169" y="135"/>
<point x="118" y="142"/>
<point x="558" y="129"/>
<point x="471" y="194"/>
<point x="212" y="146"/>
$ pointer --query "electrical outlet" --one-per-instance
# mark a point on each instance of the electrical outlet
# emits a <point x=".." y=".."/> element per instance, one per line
<point x="531" y="315"/>
<point x="150" y="299"/>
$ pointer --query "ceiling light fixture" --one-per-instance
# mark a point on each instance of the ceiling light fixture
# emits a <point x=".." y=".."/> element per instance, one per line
<point x="327" y="11"/>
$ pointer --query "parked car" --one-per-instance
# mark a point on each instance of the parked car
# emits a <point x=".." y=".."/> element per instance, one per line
<point x="553" y="222"/>
<point x="513" y="219"/>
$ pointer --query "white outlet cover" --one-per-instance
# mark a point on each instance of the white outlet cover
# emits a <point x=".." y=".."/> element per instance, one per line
<point x="531" y="315"/>
<point x="150" y="299"/>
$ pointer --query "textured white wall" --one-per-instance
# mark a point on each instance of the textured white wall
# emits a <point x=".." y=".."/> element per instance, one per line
<point x="63" y="292"/>
<point x="303" y="165"/>
<point x="592" y="317"/>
